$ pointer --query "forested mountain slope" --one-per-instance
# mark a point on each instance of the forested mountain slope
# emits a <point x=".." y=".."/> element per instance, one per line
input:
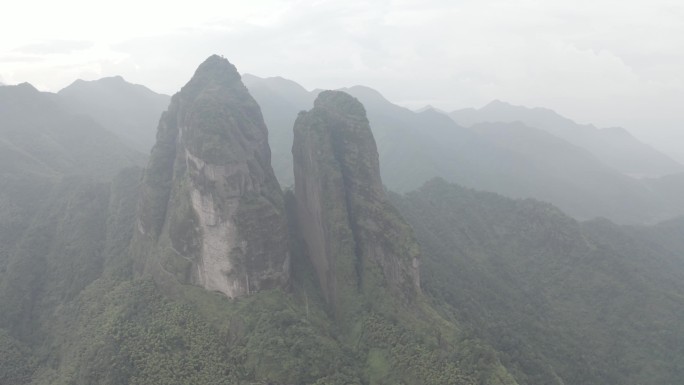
<point x="562" y="301"/>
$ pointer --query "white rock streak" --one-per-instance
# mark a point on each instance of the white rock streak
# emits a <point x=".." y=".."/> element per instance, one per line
<point x="215" y="270"/>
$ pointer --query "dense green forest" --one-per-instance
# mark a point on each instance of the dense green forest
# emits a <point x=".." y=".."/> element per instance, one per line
<point x="561" y="301"/>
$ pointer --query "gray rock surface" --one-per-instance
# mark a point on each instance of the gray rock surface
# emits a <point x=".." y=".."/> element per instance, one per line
<point x="357" y="242"/>
<point x="211" y="211"/>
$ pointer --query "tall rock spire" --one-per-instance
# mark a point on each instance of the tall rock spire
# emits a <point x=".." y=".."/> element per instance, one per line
<point x="211" y="211"/>
<point x="356" y="240"/>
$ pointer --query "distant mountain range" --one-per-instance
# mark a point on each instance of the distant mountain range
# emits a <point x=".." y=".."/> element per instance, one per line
<point x="614" y="146"/>
<point x="516" y="160"/>
<point x="280" y="101"/>
<point x="128" y="110"/>
<point x="515" y="151"/>
<point x="39" y="135"/>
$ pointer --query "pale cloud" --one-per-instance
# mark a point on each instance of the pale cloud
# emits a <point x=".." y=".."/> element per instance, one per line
<point x="54" y="47"/>
<point x="603" y="61"/>
<point x="51" y="69"/>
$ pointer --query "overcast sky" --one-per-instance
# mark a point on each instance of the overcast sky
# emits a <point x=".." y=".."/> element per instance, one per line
<point x="604" y="62"/>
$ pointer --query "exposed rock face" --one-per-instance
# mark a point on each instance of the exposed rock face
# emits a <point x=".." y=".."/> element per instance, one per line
<point x="211" y="211"/>
<point x="356" y="240"/>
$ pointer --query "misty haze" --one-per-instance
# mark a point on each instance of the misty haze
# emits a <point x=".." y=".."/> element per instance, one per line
<point x="326" y="192"/>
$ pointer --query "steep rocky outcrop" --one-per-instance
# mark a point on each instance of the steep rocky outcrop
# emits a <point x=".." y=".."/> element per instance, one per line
<point x="356" y="241"/>
<point x="211" y="211"/>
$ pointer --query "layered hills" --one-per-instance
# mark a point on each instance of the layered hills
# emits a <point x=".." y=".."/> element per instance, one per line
<point x="280" y="100"/>
<point x="199" y="269"/>
<point x="415" y="147"/>
<point x="614" y="146"/>
<point x="129" y="110"/>
<point x="43" y="148"/>
<point x="39" y="136"/>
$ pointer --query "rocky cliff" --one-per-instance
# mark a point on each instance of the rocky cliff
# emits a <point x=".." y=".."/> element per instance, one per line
<point x="211" y="211"/>
<point x="356" y="241"/>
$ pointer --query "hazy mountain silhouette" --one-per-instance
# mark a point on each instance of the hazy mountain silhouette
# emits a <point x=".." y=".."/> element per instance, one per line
<point x="614" y="146"/>
<point x="128" y="110"/>
<point x="576" y="180"/>
<point x="45" y="137"/>
<point x="417" y="146"/>
<point x="280" y="101"/>
<point x="671" y="187"/>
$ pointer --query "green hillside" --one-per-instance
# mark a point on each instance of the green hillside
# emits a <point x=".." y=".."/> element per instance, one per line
<point x="561" y="301"/>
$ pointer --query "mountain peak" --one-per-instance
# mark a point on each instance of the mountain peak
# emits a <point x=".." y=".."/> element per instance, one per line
<point x="275" y="79"/>
<point x="343" y="212"/>
<point x="340" y="101"/>
<point x="430" y="108"/>
<point x="286" y="88"/>
<point x="108" y="85"/>
<point x="116" y="79"/>
<point x="497" y="104"/>
<point x="25" y="94"/>
<point x="212" y="212"/>
<point x="215" y="68"/>
<point x="366" y="94"/>
<point x="215" y="73"/>
<point x="27" y="87"/>
<point x="216" y="62"/>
